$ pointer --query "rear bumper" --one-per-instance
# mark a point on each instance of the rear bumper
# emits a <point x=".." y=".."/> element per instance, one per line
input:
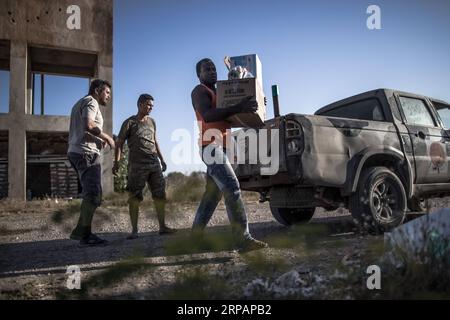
<point x="294" y="197"/>
<point x="259" y="183"/>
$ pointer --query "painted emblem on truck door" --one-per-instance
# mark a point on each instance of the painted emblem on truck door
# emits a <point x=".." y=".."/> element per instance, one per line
<point x="438" y="155"/>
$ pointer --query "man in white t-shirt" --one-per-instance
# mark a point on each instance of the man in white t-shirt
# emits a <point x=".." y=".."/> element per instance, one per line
<point x="86" y="140"/>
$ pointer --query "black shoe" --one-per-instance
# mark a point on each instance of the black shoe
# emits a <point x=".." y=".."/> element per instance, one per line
<point x="74" y="236"/>
<point x="133" y="236"/>
<point x="80" y="232"/>
<point x="93" y="240"/>
<point x="251" y="244"/>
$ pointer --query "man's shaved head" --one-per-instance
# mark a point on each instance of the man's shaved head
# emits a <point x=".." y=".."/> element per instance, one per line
<point x="199" y="65"/>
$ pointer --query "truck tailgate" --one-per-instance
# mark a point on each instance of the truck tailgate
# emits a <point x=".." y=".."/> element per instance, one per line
<point x="250" y="149"/>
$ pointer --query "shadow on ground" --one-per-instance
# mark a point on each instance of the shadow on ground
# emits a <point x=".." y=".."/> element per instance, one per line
<point x="54" y="256"/>
<point x="24" y="258"/>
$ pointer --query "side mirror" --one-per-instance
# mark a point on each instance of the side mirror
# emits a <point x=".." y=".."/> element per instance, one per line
<point x="447" y="133"/>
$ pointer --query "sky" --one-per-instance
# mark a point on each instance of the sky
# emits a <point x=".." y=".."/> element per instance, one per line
<point x="316" y="51"/>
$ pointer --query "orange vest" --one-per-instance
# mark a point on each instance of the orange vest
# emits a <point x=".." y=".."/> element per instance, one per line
<point x="221" y="126"/>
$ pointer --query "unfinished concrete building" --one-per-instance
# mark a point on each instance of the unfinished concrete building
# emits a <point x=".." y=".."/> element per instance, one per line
<point x="48" y="49"/>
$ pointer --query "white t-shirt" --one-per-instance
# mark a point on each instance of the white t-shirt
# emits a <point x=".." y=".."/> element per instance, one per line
<point x="79" y="141"/>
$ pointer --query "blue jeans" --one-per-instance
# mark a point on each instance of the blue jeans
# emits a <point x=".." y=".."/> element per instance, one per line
<point x="89" y="172"/>
<point x="221" y="180"/>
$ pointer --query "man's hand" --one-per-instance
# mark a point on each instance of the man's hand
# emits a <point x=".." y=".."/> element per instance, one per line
<point x="100" y="142"/>
<point x="227" y="62"/>
<point x="247" y="105"/>
<point x="110" y="142"/>
<point x="115" y="167"/>
<point x="163" y="166"/>
<point x="265" y="101"/>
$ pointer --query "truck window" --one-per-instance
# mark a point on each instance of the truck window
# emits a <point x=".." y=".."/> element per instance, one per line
<point x="444" y="114"/>
<point x="416" y="112"/>
<point x="369" y="109"/>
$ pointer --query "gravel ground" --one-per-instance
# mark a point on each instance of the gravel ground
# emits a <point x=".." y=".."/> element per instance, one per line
<point x="306" y="262"/>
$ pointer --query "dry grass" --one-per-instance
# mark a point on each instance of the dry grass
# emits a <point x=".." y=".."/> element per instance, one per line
<point x="198" y="284"/>
<point x="16" y="206"/>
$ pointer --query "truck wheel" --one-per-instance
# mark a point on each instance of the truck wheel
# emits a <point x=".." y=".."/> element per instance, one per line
<point x="379" y="203"/>
<point x="290" y="216"/>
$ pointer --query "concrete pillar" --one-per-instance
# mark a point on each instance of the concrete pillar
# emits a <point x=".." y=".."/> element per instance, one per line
<point x="29" y="89"/>
<point x="105" y="73"/>
<point x="17" y="134"/>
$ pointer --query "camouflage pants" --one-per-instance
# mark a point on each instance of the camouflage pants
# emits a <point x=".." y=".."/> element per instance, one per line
<point x="146" y="172"/>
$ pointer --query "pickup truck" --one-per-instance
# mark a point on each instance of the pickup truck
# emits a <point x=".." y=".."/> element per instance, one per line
<point x="379" y="154"/>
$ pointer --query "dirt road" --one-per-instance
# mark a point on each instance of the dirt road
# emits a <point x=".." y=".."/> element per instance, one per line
<point x="324" y="259"/>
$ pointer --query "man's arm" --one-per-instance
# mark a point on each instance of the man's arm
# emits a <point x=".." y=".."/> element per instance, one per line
<point x="202" y="104"/>
<point x="118" y="154"/>
<point x="92" y="128"/>
<point x="120" y="141"/>
<point x="158" y="151"/>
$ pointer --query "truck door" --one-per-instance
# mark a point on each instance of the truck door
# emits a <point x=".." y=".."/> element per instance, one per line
<point x="443" y="111"/>
<point x="428" y="139"/>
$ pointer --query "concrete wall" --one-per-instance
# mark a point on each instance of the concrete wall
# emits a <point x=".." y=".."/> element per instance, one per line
<point x="41" y="23"/>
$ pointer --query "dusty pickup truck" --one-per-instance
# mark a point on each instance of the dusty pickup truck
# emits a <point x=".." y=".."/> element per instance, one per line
<point x="380" y="154"/>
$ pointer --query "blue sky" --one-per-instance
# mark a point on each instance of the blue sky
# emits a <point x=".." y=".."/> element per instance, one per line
<point x="317" y="52"/>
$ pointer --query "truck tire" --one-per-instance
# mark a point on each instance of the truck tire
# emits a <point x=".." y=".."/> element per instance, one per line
<point x="379" y="203"/>
<point x="291" y="216"/>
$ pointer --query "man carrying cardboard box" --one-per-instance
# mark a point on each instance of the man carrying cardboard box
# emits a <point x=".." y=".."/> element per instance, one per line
<point x="220" y="177"/>
<point x="244" y="79"/>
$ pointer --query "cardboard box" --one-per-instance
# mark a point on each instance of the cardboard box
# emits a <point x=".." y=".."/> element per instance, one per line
<point x="252" y="63"/>
<point x="231" y="92"/>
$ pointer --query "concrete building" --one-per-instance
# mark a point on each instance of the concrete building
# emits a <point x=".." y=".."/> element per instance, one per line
<point x="39" y="38"/>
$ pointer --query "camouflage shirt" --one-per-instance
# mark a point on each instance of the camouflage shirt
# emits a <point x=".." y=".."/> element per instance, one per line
<point x="140" y="136"/>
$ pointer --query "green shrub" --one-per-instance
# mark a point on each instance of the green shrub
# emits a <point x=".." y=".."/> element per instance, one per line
<point x="182" y="188"/>
<point x="120" y="178"/>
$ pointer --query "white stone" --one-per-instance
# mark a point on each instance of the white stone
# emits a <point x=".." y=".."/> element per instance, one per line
<point x="420" y="238"/>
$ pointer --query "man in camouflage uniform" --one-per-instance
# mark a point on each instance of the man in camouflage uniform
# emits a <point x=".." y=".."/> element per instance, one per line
<point x="143" y="164"/>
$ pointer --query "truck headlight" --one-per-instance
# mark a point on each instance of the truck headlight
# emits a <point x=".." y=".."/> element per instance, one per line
<point x="293" y="146"/>
<point x="293" y="129"/>
<point x="294" y="136"/>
